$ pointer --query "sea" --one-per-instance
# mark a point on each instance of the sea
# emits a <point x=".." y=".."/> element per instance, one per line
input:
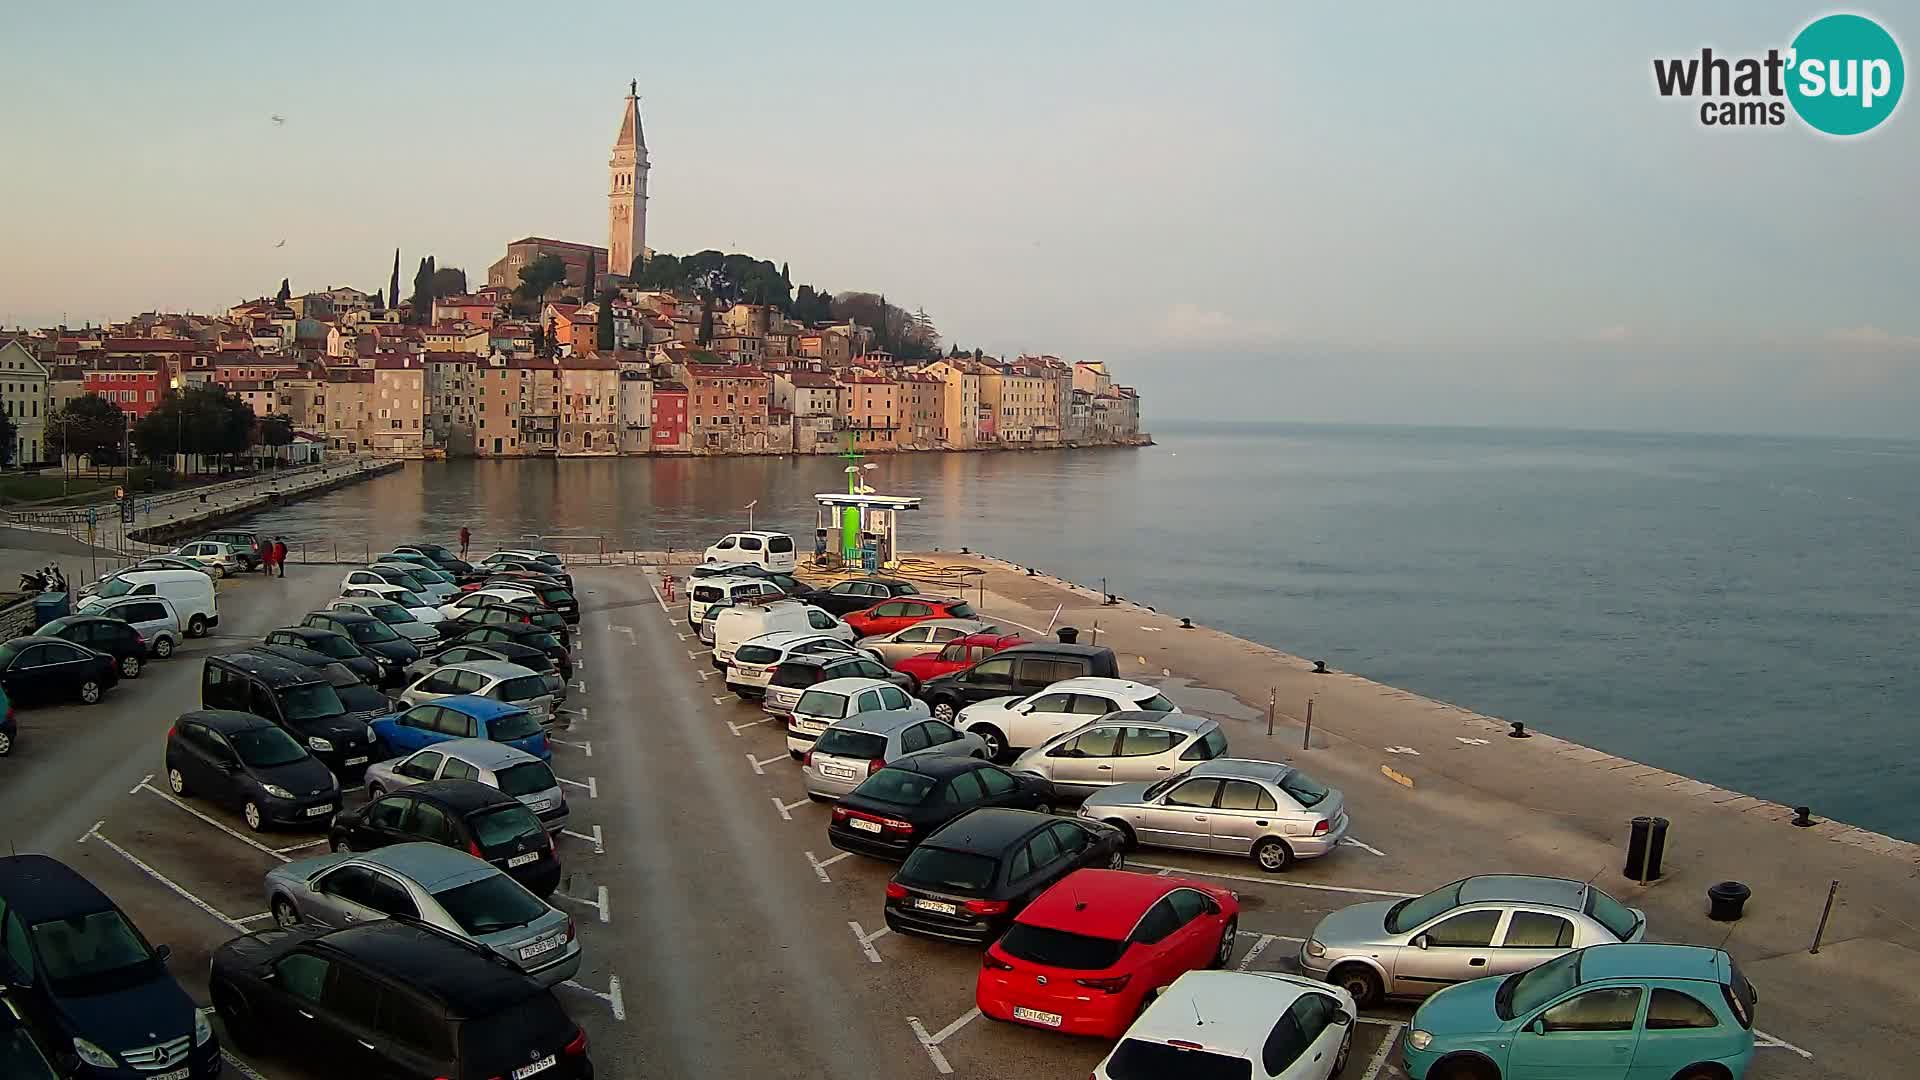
<point x="1740" y="609"/>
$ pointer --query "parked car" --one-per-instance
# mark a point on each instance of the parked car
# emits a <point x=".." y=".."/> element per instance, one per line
<point x="550" y="560"/>
<point x="9" y="727"/>
<point x="1495" y="925"/>
<point x="491" y="595"/>
<point x="525" y="655"/>
<point x="526" y="634"/>
<point x="755" y="660"/>
<point x="550" y="593"/>
<point x="520" y="570"/>
<point x="375" y="638"/>
<point x="969" y="879"/>
<point x="153" y="562"/>
<point x="836" y="699"/>
<point x="1264" y="810"/>
<point x="1011" y="724"/>
<point x="900" y="805"/>
<point x="743" y="622"/>
<point x="853" y="749"/>
<point x="1678" y="1011"/>
<point x="153" y="616"/>
<point x="771" y="550"/>
<point x="299" y="699"/>
<point x="246" y="540"/>
<point x="736" y="590"/>
<point x="795" y="675"/>
<point x="449" y="890"/>
<point x="1237" y="1024"/>
<point x="856" y="594"/>
<point x="449" y="1007"/>
<point x="1088" y="954"/>
<point x="495" y="679"/>
<point x="459" y="814"/>
<point x="80" y="972"/>
<point x="220" y="560"/>
<point x="103" y="635"/>
<point x="792" y="586"/>
<point x="403" y="621"/>
<point x="363" y="702"/>
<point x="393" y="574"/>
<point x="927" y="635"/>
<point x="890" y="615"/>
<point x="1020" y="670"/>
<point x="1127" y="747"/>
<point x="21" y="1055"/>
<point x="191" y="592"/>
<point x="443" y="557"/>
<point x="436" y="586"/>
<point x="419" y="607"/>
<point x="956" y="655"/>
<point x="39" y="670"/>
<point x="496" y="612"/>
<point x="335" y="646"/>
<point x="248" y="763"/>
<point x="497" y="765"/>
<point x="461" y="717"/>
<point x="708" y="628"/>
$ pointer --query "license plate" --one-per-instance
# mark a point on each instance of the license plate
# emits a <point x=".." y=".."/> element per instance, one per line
<point x="361" y="760"/>
<point x="811" y="727"/>
<point x="838" y="772"/>
<point x="540" y="806"/>
<point x="864" y="826"/>
<point x="540" y="1066"/>
<point x="1035" y="1016"/>
<point x="541" y="947"/>
<point x="319" y="811"/>
<point x="940" y="906"/>
<point x="177" y="1074"/>
<point x="522" y="860"/>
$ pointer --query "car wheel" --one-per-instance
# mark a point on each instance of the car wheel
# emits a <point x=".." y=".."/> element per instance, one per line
<point x="1360" y="982"/>
<point x="374" y="791"/>
<point x="6" y="744"/>
<point x="1228" y="934"/>
<point x="1346" y="1048"/>
<point x="1701" y="1072"/>
<point x="163" y="646"/>
<point x="90" y="691"/>
<point x="197" y="626"/>
<point x="284" y="913"/>
<point x="232" y="1009"/>
<point x="1464" y="1069"/>
<point x="130" y="667"/>
<point x="1043" y="808"/>
<point x="943" y="710"/>
<point x="1128" y="841"/>
<point x="1272" y="855"/>
<point x="996" y="742"/>
<point x="340" y="846"/>
<point x="251" y="812"/>
<point x="177" y="781"/>
<point x="1118" y="860"/>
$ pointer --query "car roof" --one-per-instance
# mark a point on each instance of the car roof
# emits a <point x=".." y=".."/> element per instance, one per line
<point x="461" y="795"/>
<point x="484" y="753"/>
<point x="1242" y="768"/>
<point x="1119" y="687"/>
<point x="294" y="654"/>
<point x="988" y="829"/>
<point x="432" y="865"/>
<point x="499" y="669"/>
<point x="1099" y="903"/>
<point x="226" y="721"/>
<point x="306" y="631"/>
<point x="936" y="764"/>
<point x="345" y="616"/>
<point x="730" y="580"/>
<point x="963" y="624"/>
<point x="1649" y="961"/>
<point x="1229" y="1012"/>
<point x="65" y="621"/>
<point x="480" y="708"/>
<point x="1191" y="723"/>
<point x="1551" y="891"/>
<point x="275" y="671"/>
<point x="877" y="722"/>
<point x="849" y="685"/>
<point x="471" y="982"/>
<point x="1056" y="648"/>
<point x="982" y="639"/>
<point x="508" y="648"/>
<point x="40" y="887"/>
<point x="780" y="639"/>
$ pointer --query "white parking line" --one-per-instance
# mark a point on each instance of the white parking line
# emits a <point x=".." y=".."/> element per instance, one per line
<point x="254" y="918"/>
<point x="598" y="841"/>
<point x="592" y="785"/>
<point x="241" y="1067"/>
<point x="708" y="674"/>
<point x="866" y="940"/>
<point x="1763" y="1040"/>
<point x="228" y="829"/>
<point x="627" y="630"/>
<point x="1379" y="1059"/>
<point x="820" y="868"/>
<point x="681" y="636"/>
<point x="1315" y="886"/>
<point x="580" y="684"/>
<point x="1364" y="847"/>
<point x="300" y="847"/>
<point x="932" y="1042"/>
<point x="606" y="913"/>
<point x="95" y="834"/>
<point x="738" y="728"/>
<point x="1253" y="954"/>
<point x="612" y="997"/>
<point x="759" y="766"/>
<point x="587" y="746"/>
<point x="719" y="701"/>
<point x="787" y="808"/>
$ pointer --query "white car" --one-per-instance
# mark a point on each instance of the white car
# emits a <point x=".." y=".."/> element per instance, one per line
<point x="390" y="612"/>
<point x="738" y="624"/>
<point x="389" y="574"/>
<point x="221" y="559"/>
<point x="755" y="660"/>
<point x="767" y="550"/>
<point x="1017" y="723"/>
<point x="491" y="596"/>
<point x="420" y="607"/>
<point x="436" y="585"/>
<point x="1259" y="1024"/>
<point x="823" y="703"/>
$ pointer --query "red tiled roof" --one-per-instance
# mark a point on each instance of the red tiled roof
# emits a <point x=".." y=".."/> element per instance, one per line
<point x="725" y="371"/>
<point x="814" y="380"/>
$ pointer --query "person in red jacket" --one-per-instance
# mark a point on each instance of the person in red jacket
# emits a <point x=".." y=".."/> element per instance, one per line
<point x="465" y="537"/>
<point x="280" y="555"/>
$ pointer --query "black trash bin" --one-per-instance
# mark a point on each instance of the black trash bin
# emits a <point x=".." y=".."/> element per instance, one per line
<point x="1727" y="901"/>
<point x="1068" y="634"/>
<point x="1645" y="846"/>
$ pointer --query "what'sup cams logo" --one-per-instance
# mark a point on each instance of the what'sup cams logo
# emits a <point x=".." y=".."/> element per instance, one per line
<point x="1842" y="75"/>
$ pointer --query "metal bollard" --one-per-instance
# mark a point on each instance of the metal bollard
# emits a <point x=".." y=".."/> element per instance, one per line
<point x="1821" y="930"/>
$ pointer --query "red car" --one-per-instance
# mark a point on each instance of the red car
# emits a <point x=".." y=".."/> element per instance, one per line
<point x="901" y="612"/>
<point x="1083" y="957"/>
<point x="957" y="655"/>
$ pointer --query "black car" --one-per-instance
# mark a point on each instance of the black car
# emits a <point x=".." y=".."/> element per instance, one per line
<point x="442" y="557"/>
<point x="509" y="569"/>
<point x="391" y="651"/>
<point x="902" y="804"/>
<point x="505" y="613"/>
<point x="114" y="637"/>
<point x="334" y="646"/>
<point x="359" y="698"/>
<point x="461" y="814"/>
<point x="521" y="634"/>
<point x="88" y="982"/>
<point x="1020" y="670"/>
<point x="856" y="594"/>
<point x="393" y="999"/>
<point x="296" y="698"/>
<point x="21" y="1055"/>
<point x="551" y="592"/>
<point x="243" y="761"/>
<point x="44" y="669"/>
<point x="969" y="879"/>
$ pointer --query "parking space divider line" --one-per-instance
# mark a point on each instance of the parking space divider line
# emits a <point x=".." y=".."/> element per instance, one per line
<point x="738" y="728"/>
<point x="144" y="781"/>
<point x="1351" y="842"/>
<point x="580" y="684"/>
<point x="820" y="867"/>
<point x="598" y="842"/>
<point x="612" y="997"/>
<point x="866" y="940"/>
<point x="932" y="1048"/>
<point x="223" y="827"/>
<point x="1276" y="880"/>
<point x="600" y="903"/>
<point x="1246" y="962"/>
<point x="241" y="1067"/>
<point x="1762" y="1039"/>
<point x="759" y="766"/>
<point x="708" y="674"/>
<point x="95" y="834"/>
<point x="300" y="847"/>
<point x="592" y="785"/>
<point x="1379" y="1059"/>
<point x="586" y="745"/>
<point x="254" y="918"/>
<point x="786" y="809"/>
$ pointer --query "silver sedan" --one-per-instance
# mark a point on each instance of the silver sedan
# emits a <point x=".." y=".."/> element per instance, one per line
<point x="1266" y="810"/>
<point x="443" y="886"/>
<point x="922" y="637"/>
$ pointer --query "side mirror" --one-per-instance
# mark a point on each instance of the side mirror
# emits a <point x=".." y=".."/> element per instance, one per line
<point x="1341" y="1018"/>
<point x="1422" y="942"/>
<point x="229" y="765"/>
<point x="1538" y="1027"/>
<point x="163" y="953"/>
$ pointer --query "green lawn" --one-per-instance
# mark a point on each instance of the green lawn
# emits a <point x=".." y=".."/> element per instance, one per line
<point x="32" y="487"/>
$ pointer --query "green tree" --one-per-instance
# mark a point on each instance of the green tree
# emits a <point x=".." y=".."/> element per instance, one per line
<point x="538" y="277"/>
<point x="286" y="291"/>
<point x="9" y="435"/>
<point x="393" y="287"/>
<point x="447" y="281"/>
<point x="276" y="431"/>
<point x="423" y="291"/>
<point x="603" y="326"/>
<point x="90" y="425"/>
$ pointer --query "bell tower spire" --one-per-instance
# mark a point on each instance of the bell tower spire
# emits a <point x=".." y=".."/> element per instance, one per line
<point x="627" y="190"/>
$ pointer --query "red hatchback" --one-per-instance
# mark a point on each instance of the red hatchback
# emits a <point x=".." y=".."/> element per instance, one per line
<point x="1083" y="957"/>
<point x="957" y="655"/>
<point x="901" y="612"/>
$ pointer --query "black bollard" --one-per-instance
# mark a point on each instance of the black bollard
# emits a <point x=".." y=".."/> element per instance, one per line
<point x="1727" y="901"/>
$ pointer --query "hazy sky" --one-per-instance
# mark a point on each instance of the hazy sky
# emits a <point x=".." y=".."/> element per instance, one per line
<point x="1410" y="213"/>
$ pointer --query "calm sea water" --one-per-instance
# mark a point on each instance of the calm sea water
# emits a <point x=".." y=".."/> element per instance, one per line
<point x="1739" y="609"/>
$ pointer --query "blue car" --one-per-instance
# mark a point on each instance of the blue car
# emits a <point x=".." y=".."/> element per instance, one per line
<point x="462" y="716"/>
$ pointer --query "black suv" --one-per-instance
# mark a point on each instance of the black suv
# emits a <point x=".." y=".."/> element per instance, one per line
<point x="1022" y="669"/>
<point x="968" y="880"/>
<point x="296" y="698"/>
<point x="375" y="638"/>
<point x="392" y="999"/>
<point x="83" y="976"/>
<point x="460" y="814"/>
<point x="361" y="699"/>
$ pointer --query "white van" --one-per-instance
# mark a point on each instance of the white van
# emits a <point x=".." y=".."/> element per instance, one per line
<point x="766" y="550"/>
<point x="732" y="590"/>
<point x="190" y="591"/>
<point x="739" y="623"/>
<point x="153" y="616"/>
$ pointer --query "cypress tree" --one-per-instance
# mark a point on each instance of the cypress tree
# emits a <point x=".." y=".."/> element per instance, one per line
<point x="393" y="287"/>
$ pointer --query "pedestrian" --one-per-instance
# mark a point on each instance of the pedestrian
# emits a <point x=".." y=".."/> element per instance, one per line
<point x="266" y="556"/>
<point x="280" y="555"/>
<point x="465" y="538"/>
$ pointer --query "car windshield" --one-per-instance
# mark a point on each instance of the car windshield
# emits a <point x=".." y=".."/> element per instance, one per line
<point x="756" y="654"/>
<point x="1521" y="994"/>
<point x="497" y="828"/>
<point x="942" y="868"/>
<point x="409" y="598"/>
<point x="1305" y="789"/>
<point x="1160" y="788"/>
<point x="1137" y="1059"/>
<point x="705" y="594"/>
<point x="963" y="610"/>
<point x="310" y="701"/>
<point x="1156" y="703"/>
<point x="493" y="903"/>
<point x="1612" y="914"/>
<point x="339" y="676"/>
<point x="1061" y="948"/>
<point x="528" y="778"/>
<point x="521" y="688"/>
<point x="901" y="588"/>
<point x="897" y="786"/>
<point x="371" y="631"/>
<point x="795" y="676"/>
<point x="95" y="951"/>
<point x="822" y="703"/>
<point x="402" y="578"/>
<point x="541" y="641"/>
<point x="362" y="698"/>
<point x="266" y="747"/>
<point x="556" y="596"/>
<point x="116" y="587"/>
<point x="335" y="646"/>
<point x="508" y="727"/>
<point x="549" y="619"/>
<point x="1408" y="914"/>
<point x="840" y="742"/>
<point x="8" y="652"/>
<point x="390" y="613"/>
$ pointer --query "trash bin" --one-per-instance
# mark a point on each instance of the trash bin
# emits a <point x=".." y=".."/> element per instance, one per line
<point x="1645" y="846"/>
<point x="1727" y="901"/>
<point x="1068" y="635"/>
<point x="49" y="606"/>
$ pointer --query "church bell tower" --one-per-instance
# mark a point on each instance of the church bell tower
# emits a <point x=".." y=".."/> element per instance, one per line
<point x="627" y="190"/>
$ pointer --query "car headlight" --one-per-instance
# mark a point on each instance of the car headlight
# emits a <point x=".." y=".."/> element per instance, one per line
<point x="1315" y="949"/>
<point x="1419" y="1039"/>
<point x="202" y="1026"/>
<point x="277" y="791"/>
<point x="93" y="1055"/>
<point x="315" y="742"/>
<point x="371" y="737"/>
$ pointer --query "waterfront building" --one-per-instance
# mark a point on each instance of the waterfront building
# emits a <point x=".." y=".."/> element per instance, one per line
<point x="590" y="395"/>
<point x="922" y="401"/>
<point x="65" y="383"/>
<point x="728" y="406"/>
<point x="339" y="410"/>
<point x="671" y="431"/>
<point x="636" y="411"/>
<point x="873" y="412"/>
<point x="134" y="385"/>
<point x="1091" y="376"/>
<point x="465" y="309"/>
<point x="23" y="394"/>
<point x="452" y="388"/>
<point x="498" y="390"/>
<point x="395" y="423"/>
<point x="961" y="376"/>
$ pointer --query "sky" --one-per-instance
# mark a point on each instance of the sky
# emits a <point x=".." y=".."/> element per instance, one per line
<point x="1394" y="213"/>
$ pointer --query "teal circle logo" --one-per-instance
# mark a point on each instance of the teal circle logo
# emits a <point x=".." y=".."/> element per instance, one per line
<point x="1846" y="74"/>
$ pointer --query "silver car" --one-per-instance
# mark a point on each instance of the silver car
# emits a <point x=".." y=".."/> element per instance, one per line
<point x="1122" y="747"/>
<point x="922" y="637"/>
<point x="833" y="700"/>
<point x="494" y="679"/>
<point x="1468" y="929"/>
<point x="1270" y="811"/>
<point x="756" y="658"/>
<point x="442" y="886"/>
<point x="460" y="654"/>
<point x="853" y="749"/>
<point x="506" y="769"/>
<point x="403" y="621"/>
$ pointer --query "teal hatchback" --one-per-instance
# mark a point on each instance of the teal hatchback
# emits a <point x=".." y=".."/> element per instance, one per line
<point x="1609" y="1012"/>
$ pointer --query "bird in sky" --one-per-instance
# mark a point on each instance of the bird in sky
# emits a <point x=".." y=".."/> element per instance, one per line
<point x="281" y="244"/>
<point x="277" y="119"/>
